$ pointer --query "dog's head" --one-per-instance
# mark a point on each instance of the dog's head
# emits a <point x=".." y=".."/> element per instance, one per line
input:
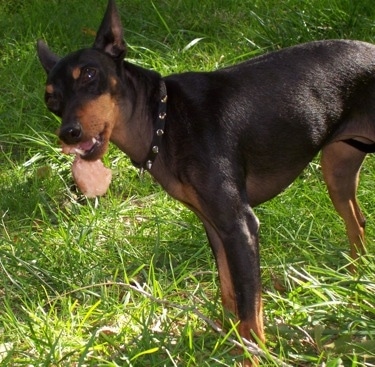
<point x="83" y="88"/>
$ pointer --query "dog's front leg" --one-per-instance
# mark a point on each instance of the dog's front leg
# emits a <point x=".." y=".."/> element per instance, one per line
<point x="232" y="229"/>
<point x="233" y="237"/>
<point x="240" y="254"/>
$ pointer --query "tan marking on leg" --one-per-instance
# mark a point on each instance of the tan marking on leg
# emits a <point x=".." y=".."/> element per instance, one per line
<point x="254" y="325"/>
<point x="247" y="328"/>
<point x="228" y="296"/>
<point x="187" y="195"/>
<point x="341" y="164"/>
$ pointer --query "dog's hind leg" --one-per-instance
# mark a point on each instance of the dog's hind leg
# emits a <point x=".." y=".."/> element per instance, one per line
<point x="341" y="165"/>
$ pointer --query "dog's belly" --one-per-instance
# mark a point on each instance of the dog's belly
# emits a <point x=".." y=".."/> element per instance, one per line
<point x="263" y="187"/>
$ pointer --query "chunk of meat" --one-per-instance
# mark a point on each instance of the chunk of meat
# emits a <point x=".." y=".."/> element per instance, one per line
<point x="91" y="177"/>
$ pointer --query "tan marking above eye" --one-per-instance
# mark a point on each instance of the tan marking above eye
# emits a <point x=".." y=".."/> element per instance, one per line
<point x="113" y="82"/>
<point x="49" y="88"/>
<point x="76" y="73"/>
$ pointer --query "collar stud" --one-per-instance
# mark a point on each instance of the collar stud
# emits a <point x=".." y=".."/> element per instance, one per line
<point x="159" y="129"/>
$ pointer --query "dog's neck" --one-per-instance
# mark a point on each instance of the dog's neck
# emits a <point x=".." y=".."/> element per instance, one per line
<point x="159" y="130"/>
<point x="141" y="100"/>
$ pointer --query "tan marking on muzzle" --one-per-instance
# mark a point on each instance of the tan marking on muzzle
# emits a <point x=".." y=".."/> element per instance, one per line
<point x="98" y="116"/>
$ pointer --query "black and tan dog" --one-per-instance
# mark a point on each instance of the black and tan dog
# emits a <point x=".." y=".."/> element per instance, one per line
<point x="223" y="142"/>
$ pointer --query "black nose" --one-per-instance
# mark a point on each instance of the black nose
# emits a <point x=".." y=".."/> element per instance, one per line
<point x="71" y="134"/>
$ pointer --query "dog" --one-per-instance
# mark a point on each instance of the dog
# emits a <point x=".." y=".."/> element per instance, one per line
<point x="222" y="142"/>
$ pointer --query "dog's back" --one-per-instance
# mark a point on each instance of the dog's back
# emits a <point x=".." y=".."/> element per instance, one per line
<point x="275" y="107"/>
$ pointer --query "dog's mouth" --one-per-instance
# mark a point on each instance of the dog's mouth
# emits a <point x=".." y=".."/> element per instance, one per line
<point x="89" y="173"/>
<point x="89" y="149"/>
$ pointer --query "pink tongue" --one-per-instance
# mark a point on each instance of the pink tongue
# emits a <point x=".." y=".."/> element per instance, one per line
<point x="92" y="178"/>
<point x="86" y="145"/>
<point x="80" y="148"/>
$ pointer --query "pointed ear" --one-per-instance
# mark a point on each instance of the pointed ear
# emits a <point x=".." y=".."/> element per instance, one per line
<point x="47" y="58"/>
<point x="110" y="34"/>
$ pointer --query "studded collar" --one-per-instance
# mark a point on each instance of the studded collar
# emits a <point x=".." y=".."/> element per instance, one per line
<point x="159" y="127"/>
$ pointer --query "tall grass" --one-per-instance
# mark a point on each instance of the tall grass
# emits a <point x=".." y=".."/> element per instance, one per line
<point x="128" y="280"/>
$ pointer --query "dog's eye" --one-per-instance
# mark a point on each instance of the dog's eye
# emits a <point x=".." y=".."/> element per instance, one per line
<point x="88" y="74"/>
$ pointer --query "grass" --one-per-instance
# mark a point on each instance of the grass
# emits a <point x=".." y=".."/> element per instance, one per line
<point x="126" y="279"/>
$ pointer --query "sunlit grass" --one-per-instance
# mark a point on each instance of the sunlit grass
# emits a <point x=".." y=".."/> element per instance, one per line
<point x="128" y="279"/>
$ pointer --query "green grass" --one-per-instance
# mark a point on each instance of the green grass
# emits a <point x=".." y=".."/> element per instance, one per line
<point x="128" y="279"/>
